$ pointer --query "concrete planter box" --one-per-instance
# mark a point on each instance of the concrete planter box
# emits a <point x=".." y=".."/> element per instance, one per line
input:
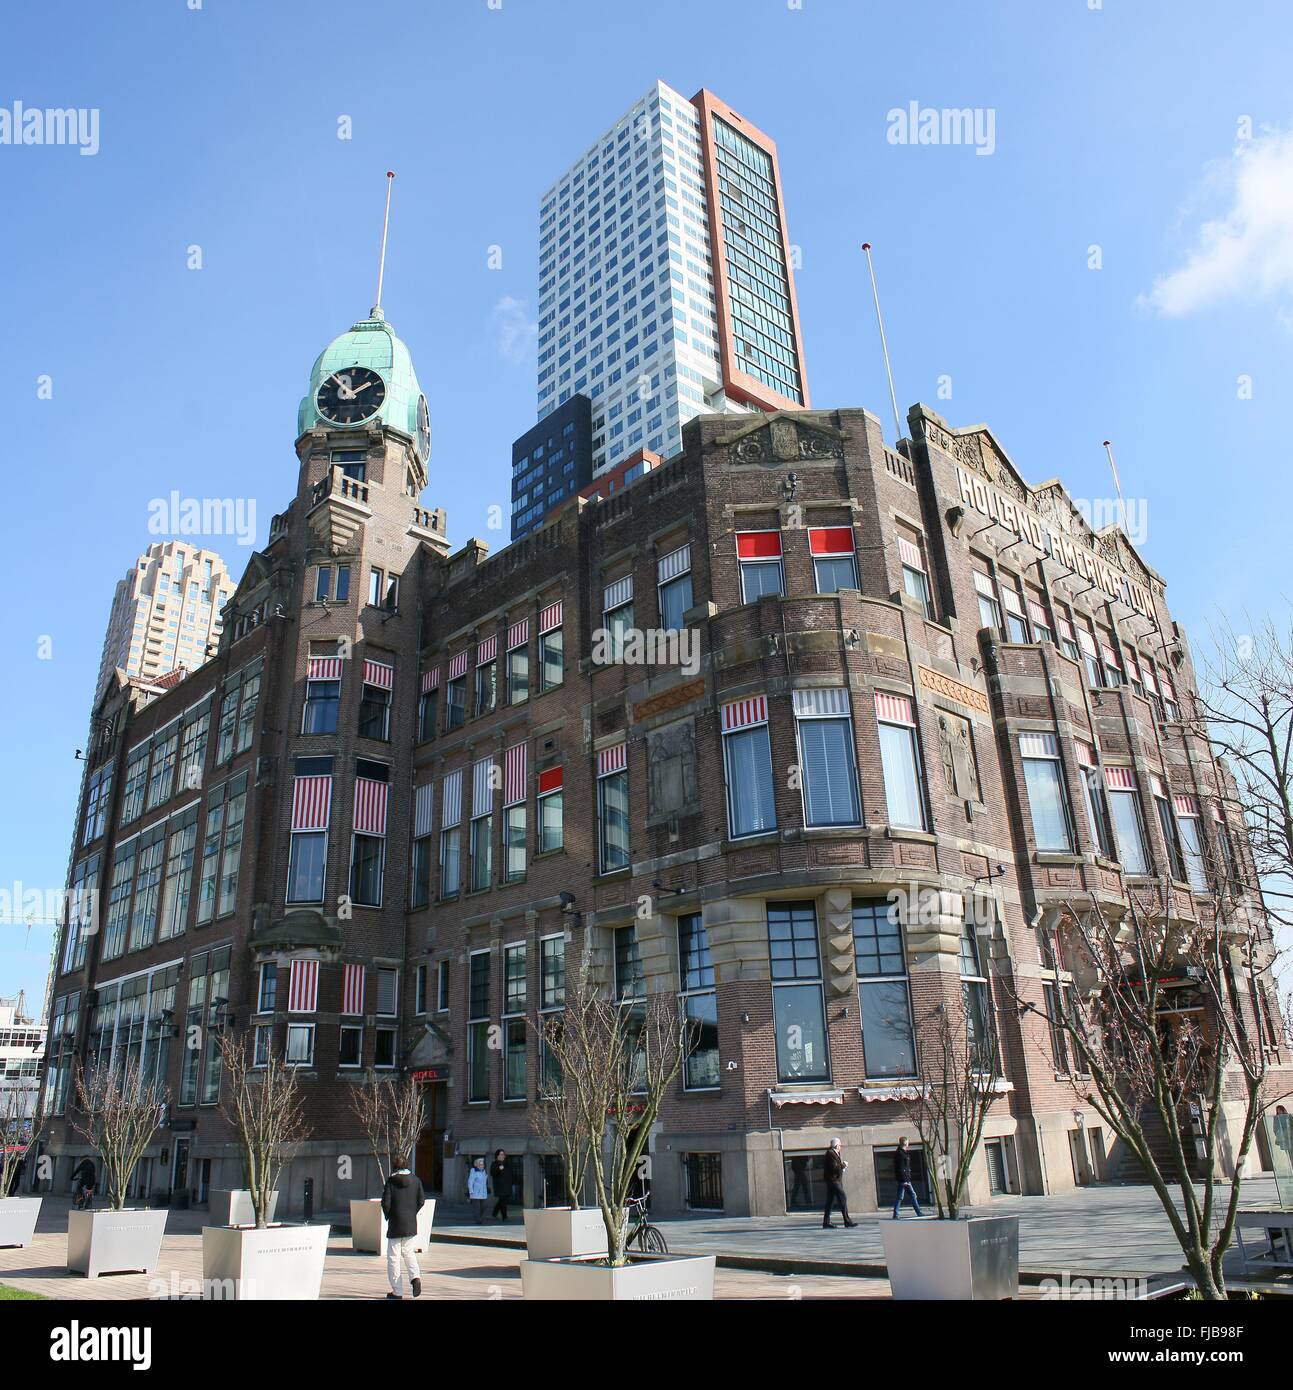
<point x="111" y="1242"/>
<point x="244" y="1263"/>
<point x="233" y="1207"/>
<point x="976" y="1258"/>
<point x="646" y="1279"/>
<point x="554" y="1233"/>
<point x="368" y="1226"/>
<point x="18" y="1219"/>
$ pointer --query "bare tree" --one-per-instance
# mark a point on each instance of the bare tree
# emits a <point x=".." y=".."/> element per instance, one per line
<point x="618" y="1058"/>
<point x="1147" y="1069"/>
<point x="18" y="1132"/>
<point x="557" y="1119"/>
<point x="389" y="1111"/>
<point x="960" y="1067"/>
<point x="117" y="1111"/>
<point x="264" y="1104"/>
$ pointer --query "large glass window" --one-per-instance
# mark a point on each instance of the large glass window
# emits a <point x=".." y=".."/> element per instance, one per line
<point x="182" y="832"/>
<point x="1167" y="824"/>
<point x="1129" y="831"/>
<point x="828" y="768"/>
<point x="1044" y="778"/>
<point x="747" y="761"/>
<point x="1097" y="809"/>
<point x="759" y="554"/>
<point x="613" y="810"/>
<point x="989" y="608"/>
<point x="700" y="1004"/>
<point x="798" y="1003"/>
<point x="550" y="808"/>
<point x="617" y="615"/>
<point x="1187" y="820"/>
<point x="834" y="563"/>
<point x="975" y="996"/>
<point x="478" y="1016"/>
<point x="306" y="859"/>
<point x="884" y="1000"/>
<point x="900" y="761"/>
<point x="674" y="588"/>
<point x="375" y="712"/>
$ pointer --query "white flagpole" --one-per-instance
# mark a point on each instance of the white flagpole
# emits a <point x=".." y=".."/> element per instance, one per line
<point x="386" y="224"/>
<point x="1117" y="483"/>
<point x="884" y="346"/>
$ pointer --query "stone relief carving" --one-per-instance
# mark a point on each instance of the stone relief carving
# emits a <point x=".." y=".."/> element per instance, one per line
<point x="784" y="441"/>
<point x="672" y="782"/>
<point x="960" y="771"/>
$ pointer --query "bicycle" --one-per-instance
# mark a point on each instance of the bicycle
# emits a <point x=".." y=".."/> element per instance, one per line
<point x="648" y="1238"/>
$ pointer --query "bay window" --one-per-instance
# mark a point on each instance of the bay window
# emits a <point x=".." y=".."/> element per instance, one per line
<point x="747" y="763"/>
<point x="798" y="1002"/>
<point x="900" y="761"/>
<point x="828" y="767"/>
<point x="884" y="997"/>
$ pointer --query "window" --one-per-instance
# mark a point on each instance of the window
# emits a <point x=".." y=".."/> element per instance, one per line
<point x="450" y="815"/>
<point x="699" y="1005"/>
<point x="456" y="694"/>
<point x="420" y="874"/>
<point x="1068" y="640"/>
<point x="148" y="877"/>
<point x="630" y="982"/>
<point x="176" y="888"/>
<point x="98" y="797"/>
<point x="267" y="994"/>
<point x="514" y="1027"/>
<point x="1191" y="830"/>
<point x="388" y="993"/>
<point x="617" y="615"/>
<point x="1167" y="824"/>
<point x="420" y="991"/>
<point x="613" y="808"/>
<point x="884" y="999"/>
<point x="375" y="701"/>
<point x="1044" y="779"/>
<point x="193" y="746"/>
<point x="551" y="648"/>
<point x="1042" y="630"/>
<point x="834" y="563"/>
<point x="518" y="663"/>
<point x="798" y="1004"/>
<point x="989" y="608"/>
<point x="132" y="797"/>
<point x="350" y="1045"/>
<point x="486" y="676"/>
<point x="222" y="849"/>
<point x="1090" y="657"/>
<point x="759" y="555"/>
<point x="1097" y="810"/>
<point x="239" y="699"/>
<point x="322" y="694"/>
<point x="427" y="704"/>
<point x="375" y="587"/>
<point x="704" y="1181"/>
<point x="1111" y="662"/>
<point x="1054" y="1004"/>
<point x="915" y="581"/>
<point x="161" y="782"/>
<point x="300" y="1044"/>
<point x="442" y="987"/>
<point x="82" y="913"/>
<point x="368" y="840"/>
<point x="1129" y="830"/>
<point x="322" y="584"/>
<point x="828" y="768"/>
<point x="979" y="1035"/>
<point x="673" y="573"/>
<point x="900" y="761"/>
<point x="552" y="1000"/>
<point x="478" y="1027"/>
<point x="551" y="828"/>
<point x="1016" y="622"/>
<point x="482" y="825"/>
<point x="747" y="761"/>
<point x="515" y="776"/>
<point x="120" y="885"/>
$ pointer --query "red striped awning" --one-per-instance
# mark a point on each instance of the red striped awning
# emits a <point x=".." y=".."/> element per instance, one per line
<point x="486" y="651"/>
<point x="430" y="680"/>
<point x="1066" y="629"/>
<point x="515" y="767"/>
<point x="1169" y="690"/>
<point x="1185" y="805"/>
<point x="1110" y="656"/>
<point x="550" y="780"/>
<point x="909" y="554"/>
<point x="1150" y="683"/>
<point x="370" y="806"/>
<point x="550" y="618"/>
<point x="518" y="634"/>
<point x="1086" y="642"/>
<point x="1133" y="670"/>
<point x="352" y="989"/>
<point x="758" y="545"/>
<point x="745" y="714"/>
<point x="1120" y="779"/>
<point x="303" y="989"/>
<point x="612" y="759"/>
<point x="311" y="803"/>
<point x="1085" y="752"/>
<point x="830" y="540"/>
<point x="324" y="668"/>
<point x="983" y="585"/>
<point x="1038" y="614"/>
<point x="893" y="709"/>
<point x="380" y="674"/>
<point x="458" y="666"/>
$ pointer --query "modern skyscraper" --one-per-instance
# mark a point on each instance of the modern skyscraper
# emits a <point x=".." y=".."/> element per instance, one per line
<point x="665" y="281"/>
<point x="551" y="462"/>
<point x="165" y="612"/>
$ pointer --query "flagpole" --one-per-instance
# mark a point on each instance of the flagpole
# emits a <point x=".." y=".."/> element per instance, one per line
<point x="1117" y="482"/>
<point x="386" y="225"/>
<point x="884" y="346"/>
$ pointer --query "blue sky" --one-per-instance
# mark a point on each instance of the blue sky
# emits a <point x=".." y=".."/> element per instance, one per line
<point x="1121" y="127"/>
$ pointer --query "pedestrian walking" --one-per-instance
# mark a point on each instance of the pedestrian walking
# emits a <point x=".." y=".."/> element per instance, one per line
<point x="833" y="1165"/>
<point x="500" y="1177"/>
<point x="902" y="1176"/>
<point x="402" y="1199"/>
<point x="478" y="1189"/>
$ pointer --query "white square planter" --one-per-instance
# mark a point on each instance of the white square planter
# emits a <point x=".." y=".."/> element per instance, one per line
<point x="111" y="1242"/>
<point x="233" y="1207"/>
<point x="973" y="1259"/>
<point x="270" y="1263"/>
<point x="368" y="1226"/>
<point x="554" y="1233"/>
<point x="18" y="1219"/>
<point x="646" y="1279"/>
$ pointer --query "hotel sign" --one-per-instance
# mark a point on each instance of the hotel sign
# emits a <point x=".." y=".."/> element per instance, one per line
<point x="1028" y="526"/>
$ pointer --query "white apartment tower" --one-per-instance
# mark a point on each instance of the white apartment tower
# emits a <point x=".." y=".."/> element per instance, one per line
<point x="165" y="612"/>
<point x="666" y="287"/>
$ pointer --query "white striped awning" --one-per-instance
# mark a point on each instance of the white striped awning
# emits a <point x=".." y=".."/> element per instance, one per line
<point x="906" y="1092"/>
<point x="430" y="680"/>
<point x="311" y="803"/>
<point x="1086" y="642"/>
<point x="672" y="565"/>
<point x="1038" y="746"/>
<point x="780" y="1098"/>
<point x="451" y="799"/>
<point x="1185" y="805"/>
<point x="380" y="674"/>
<point x="1156" y="785"/>
<point x="830" y="540"/>
<point x="352" y="989"/>
<point x="1110" y="656"/>
<point x="1038" y="614"/>
<point x="1150" y="683"/>
<point x="370" y="806"/>
<point x="324" y="668"/>
<point x="550" y="780"/>
<point x="518" y="634"/>
<point x="909" y="554"/>
<point x="303" y="988"/>
<point x="515" y="764"/>
<point x="1085" y="752"/>
<point x="1014" y="604"/>
<point x="486" y="650"/>
<point x="612" y="759"/>
<point x="1066" y="629"/>
<point x="550" y="618"/>
<point x="482" y="786"/>
<point x="423" y="809"/>
<point x="893" y="709"/>
<point x="458" y="665"/>
<point x="983" y="584"/>
<point x="744" y="714"/>
<point x="822" y="702"/>
<point x="1120" y="779"/>
<point x="1133" y="670"/>
<point x="620" y="592"/>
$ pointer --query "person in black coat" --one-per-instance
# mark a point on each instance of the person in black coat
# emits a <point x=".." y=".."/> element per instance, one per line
<point x="85" y="1178"/>
<point x="902" y="1176"/>
<point x="500" y="1178"/>
<point x="402" y="1199"/>
<point x="833" y="1166"/>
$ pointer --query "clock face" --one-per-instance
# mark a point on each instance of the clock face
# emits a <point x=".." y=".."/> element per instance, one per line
<point x="352" y="395"/>
<point x="424" y="429"/>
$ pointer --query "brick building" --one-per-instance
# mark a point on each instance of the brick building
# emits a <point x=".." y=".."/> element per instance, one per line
<point x="370" y="831"/>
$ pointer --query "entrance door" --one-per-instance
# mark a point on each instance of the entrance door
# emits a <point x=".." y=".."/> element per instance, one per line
<point x="180" y="1173"/>
<point x="429" y="1160"/>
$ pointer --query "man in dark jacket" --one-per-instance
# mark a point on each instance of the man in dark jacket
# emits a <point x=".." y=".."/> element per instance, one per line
<point x="84" y="1179"/>
<point x="833" y="1166"/>
<point x="402" y="1199"/>
<point x="902" y="1176"/>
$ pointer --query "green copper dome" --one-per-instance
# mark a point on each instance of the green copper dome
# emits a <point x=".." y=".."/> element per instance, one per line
<point x="371" y="344"/>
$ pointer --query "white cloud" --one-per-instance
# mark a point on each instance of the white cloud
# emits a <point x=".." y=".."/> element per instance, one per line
<point x="1246" y="253"/>
<point x="516" y="332"/>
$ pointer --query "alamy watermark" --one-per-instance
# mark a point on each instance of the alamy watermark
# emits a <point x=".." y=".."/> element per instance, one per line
<point x="915" y="124"/>
<point x="654" y="646"/>
<point x="1131" y="513"/>
<point x="203" y="516"/>
<point x="50" y="125"/>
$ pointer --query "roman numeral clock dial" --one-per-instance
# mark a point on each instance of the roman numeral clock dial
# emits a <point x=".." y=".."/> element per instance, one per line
<point x="350" y="396"/>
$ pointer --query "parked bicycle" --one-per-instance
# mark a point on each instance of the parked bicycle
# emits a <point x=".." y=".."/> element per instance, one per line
<point x="648" y="1238"/>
